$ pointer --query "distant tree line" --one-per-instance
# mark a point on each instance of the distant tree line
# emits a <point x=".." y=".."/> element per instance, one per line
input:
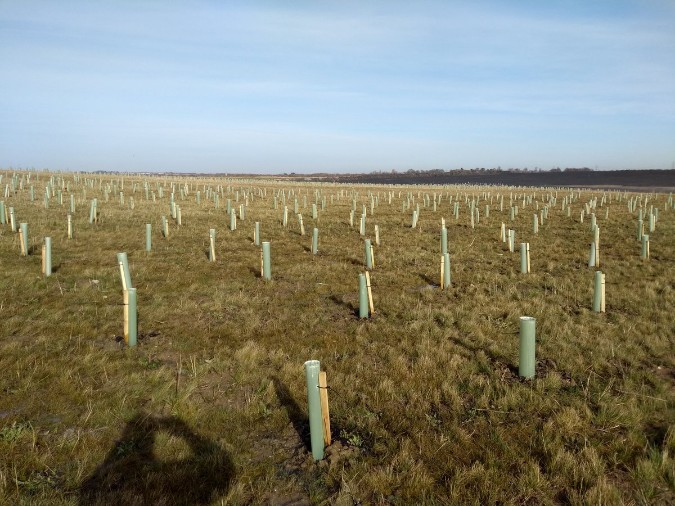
<point x="478" y="170"/>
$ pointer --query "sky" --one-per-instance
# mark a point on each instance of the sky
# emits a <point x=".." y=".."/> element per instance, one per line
<point x="339" y="86"/>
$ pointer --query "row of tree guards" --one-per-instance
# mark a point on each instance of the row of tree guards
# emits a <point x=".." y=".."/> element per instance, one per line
<point x="366" y="306"/>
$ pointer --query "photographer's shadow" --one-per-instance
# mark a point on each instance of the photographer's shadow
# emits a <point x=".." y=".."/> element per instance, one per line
<point x="133" y="474"/>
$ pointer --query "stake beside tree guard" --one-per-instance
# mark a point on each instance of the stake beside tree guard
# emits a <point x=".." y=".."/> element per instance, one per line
<point x="599" y="292"/>
<point x="591" y="257"/>
<point x="70" y="227"/>
<point x="369" y="254"/>
<point x="363" y="297"/>
<point x="130" y="317"/>
<point x="527" y="358"/>
<point x="92" y="211"/>
<point x="212" y="244"/>
<point x="23" y="238"/>
<point x="371" y="306"/>
<point x="445" y="271"/>
<point x="316" y="428"/>
<point x="525" y="257"/>
<point x="596" y="242"/>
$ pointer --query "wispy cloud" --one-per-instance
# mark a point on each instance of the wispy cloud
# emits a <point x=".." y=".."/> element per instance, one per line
<point x="422" y="83"/>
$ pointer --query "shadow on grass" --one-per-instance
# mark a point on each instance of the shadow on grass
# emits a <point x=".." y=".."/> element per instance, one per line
<point x="428" y="280"/>
<point x="133" y="474"/>
<point x="493" y="357"/>
<point x="354" y="311"/>
<point x="297" y="416"/>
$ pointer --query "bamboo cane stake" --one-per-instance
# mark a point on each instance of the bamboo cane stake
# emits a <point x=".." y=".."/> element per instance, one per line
<point x="370" y="293"/>
<point x="325" y="413"/>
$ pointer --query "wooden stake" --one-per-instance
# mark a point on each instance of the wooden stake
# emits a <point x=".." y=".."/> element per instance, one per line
<point x="372" y="255"/>
<point x="23" y="250"/>
<point x="370" y="293"/>
<point x="44" y="258"/>
<point x="442" y="272"/>
<point x="325" y="414"/>
<point x="124" y="283"/>
<point x="602" y="295"/>
<point x="126" y="311"/>
<point x="262" y="263"/>
<point x="528" y="257"/>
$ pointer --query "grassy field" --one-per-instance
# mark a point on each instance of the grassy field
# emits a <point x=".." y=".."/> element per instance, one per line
<point x="426" y="403"/>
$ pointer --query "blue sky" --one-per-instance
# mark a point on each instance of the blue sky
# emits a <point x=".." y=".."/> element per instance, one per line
<point x="337" y="85"/>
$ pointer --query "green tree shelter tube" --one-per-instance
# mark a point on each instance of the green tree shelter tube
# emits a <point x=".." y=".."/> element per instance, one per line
<point x="267" y="261"/>
<point x="591" y="256"/>
<point x="312" y="369"/>
<point x="524" y="257"/>
<point x="148" y="237"/>
<point x="212" y="244"/>
<point x="599" y="292"/>
<point x="363" y="297"/>
<point x="315" y="241"/>
<point x="444" y="240"/>
<point x="526" y="363"/>
<point x="369" y="257"/>
<point x="48" y="256"/>
<point x="24" y="238"/>
<point x="131" y="317"/>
